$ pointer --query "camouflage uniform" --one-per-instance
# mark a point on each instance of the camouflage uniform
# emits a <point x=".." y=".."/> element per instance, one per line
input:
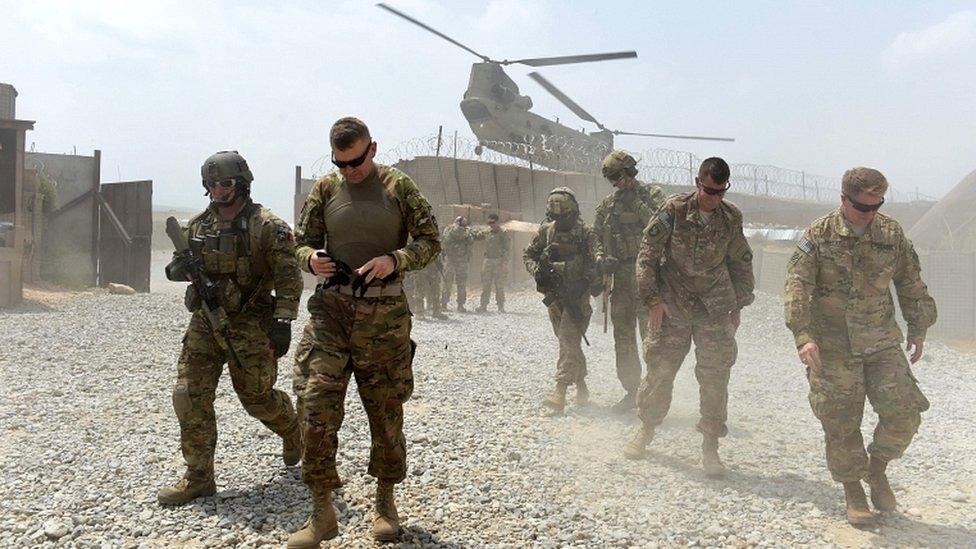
<point x="368" y="337"/>
<point x="620" y="221"/>
<point x="574" y="255"/>
<point x="702" y="270"/>
<point x="425" y="294"/>
<point x="457" y="241"/>
<point x="255" y="260"/>
<point x="494" y="270"/>
<point x="838" y="295"/>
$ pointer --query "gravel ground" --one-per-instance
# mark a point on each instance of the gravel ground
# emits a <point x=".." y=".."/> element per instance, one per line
<point x="89" y="436"/>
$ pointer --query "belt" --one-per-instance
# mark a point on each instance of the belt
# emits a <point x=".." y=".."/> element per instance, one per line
<point x="385" y="290"/>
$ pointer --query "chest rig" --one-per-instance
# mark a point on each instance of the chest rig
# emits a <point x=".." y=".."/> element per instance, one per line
<point x="228" y="250"/>
<point x="628" y="217"/>
<point x="566" y="251"/>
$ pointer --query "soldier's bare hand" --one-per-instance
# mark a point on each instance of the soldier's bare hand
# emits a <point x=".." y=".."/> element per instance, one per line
<point x="810" y="355"/>
<point x="378" y="267"/>
<point x="655" y="317"/>
<point x="915" y="345"/>
<point x="321" y="264"/>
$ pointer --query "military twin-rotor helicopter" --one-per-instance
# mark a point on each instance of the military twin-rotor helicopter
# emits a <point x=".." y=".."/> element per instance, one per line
<point x="502" y="119"/>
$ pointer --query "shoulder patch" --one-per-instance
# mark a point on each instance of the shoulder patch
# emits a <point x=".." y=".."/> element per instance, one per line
<point x="284" y="233"/>
<point x="664" y="216"/>
<point x="805" y="245"/>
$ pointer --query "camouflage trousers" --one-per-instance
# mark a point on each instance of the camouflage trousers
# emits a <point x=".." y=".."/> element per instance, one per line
<point x="715" y="353"/>
<point x="425" y="287"/>
<point x="455" y="273"/>
<point x="368" y="338"/>
<point x="627" y="313"/>
<point x="494" y="275"/>
<point x="571" y="364"/>
<point x="837" y="394"/>
<point x="201" y="363"/>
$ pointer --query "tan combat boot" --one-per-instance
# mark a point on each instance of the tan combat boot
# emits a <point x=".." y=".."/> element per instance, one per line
<point x="386" y="523"/>
<point x="291" y="447"/>
<point x="637" y="447"/>
<point x="186" y="490"/>
<point x="556" y="401"/>
<point x="711" y="463"/>
<point x="881" y="495"/>
<point x="582" y="393"/>
<point x="320" y="526"/>
<point x="858" y="513"/>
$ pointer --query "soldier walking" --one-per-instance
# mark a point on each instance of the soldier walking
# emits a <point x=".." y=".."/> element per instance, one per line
<point x="840" y="310"/>
<point x="425" y="295"/>
<point x="249" y="253"/>
<point x="564" y="258"/>
<point x="360" y="320"/>
<point x="694" y="276"/>
<point x="494" y="270"/>
<point x="620" y="221"/>
<point x="457" y="241"/>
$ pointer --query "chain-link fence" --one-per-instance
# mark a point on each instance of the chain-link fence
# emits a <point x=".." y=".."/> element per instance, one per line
<point x="663" y="166"/>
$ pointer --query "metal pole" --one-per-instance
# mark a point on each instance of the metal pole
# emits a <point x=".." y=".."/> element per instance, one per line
<point x="803" y="184"/>
<point x="440" y="131"/>
<point x="691" y="170"/>
<point x="95" y="239"/>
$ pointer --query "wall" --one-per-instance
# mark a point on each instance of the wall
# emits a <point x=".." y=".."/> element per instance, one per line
<point x="73" y="228"/>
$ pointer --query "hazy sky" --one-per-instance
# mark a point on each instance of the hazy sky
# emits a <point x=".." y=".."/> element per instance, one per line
<point x="819" y="86"/>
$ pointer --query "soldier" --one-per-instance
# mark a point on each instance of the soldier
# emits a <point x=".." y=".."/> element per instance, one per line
<point x="457" y="242"/>
<point x="620" y="221"/>
<point x="360" y="320"/>
<point x="426" y="291"/>
<point x="839" y="308"/>
<point x="494" y="270"/>
<point x="694" y="277"/>
<point x="249" y="252"/>
<point x="564" y="258"/>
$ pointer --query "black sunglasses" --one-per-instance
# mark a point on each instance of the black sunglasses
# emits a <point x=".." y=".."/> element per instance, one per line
<point x="226" y="183"/>
<point x="862" y="207"/>
<point x="355" y="162"/>
<point x="714" y="192"/>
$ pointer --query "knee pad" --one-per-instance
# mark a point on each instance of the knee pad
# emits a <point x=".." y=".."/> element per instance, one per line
<point x="181" y="400"/>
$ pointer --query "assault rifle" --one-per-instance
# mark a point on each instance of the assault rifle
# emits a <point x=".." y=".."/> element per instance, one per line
<point x="188" y="265"/>
<point x="565" y="296"/>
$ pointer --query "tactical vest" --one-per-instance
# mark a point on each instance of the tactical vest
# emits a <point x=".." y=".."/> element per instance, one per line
<point x="567" y="251"/>
<point x="231" y="255"/>
<point x="363" y="221"/>
<point x="627" y="220"/>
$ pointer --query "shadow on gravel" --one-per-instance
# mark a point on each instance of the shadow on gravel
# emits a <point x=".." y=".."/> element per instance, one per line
<point x="412" y="536"/>
<point x="788" y="487"/>
<point x="900" y="530"/>
<point x="30" y="307"/>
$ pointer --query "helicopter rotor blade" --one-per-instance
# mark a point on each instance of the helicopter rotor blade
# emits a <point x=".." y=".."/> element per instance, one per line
<point x="568" y="59"/>
<point x="432" y="30"/>
<point x="698" y="137"/>
<point x="564" y="99"/>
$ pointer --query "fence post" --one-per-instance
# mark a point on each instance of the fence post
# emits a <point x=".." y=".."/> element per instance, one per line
<point x="691" y="170"/>
<point x="440" y="131"/>
<point x="803" y="184"/>
<point x="755" y="180"/>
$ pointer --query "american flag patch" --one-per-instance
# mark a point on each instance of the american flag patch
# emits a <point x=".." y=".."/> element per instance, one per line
<point x="805" y="245"/>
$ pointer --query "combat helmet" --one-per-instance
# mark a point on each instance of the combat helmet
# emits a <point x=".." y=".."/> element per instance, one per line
<point x="619" y="162"/>
<point x="227" y="165"/>
<point x="561" y="203"/>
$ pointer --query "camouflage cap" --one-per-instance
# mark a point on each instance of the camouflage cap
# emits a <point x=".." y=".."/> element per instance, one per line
<point x="225" y="165"/>
<point x="864" y="180"/>
<point x="562" y="200"/>
<point x="616" y="163"/>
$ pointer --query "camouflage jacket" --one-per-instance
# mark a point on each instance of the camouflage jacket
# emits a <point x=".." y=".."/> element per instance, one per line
<point x="838" y="286"/>
<point x="250" y="256"/>
<point x="691" y="264"/>
<point x="457" y="243"/>
<point x="417" y="221"/>
<point x="575" y="254"/>
<point x="497" y="245"/>
<point x="622" y="216"/>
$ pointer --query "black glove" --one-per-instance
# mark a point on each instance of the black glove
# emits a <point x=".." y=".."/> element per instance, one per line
<point x="609" y="264"/>
<point x="541" y="279"/>
<point x="280" y="336"/>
